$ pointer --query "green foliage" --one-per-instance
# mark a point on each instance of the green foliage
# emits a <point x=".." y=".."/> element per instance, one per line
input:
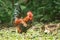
<point x="43" y="10"/>
<point x="5" y="10"/>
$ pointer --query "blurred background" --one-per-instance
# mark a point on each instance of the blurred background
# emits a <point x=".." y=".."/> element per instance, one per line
<point x="43" y="10"/>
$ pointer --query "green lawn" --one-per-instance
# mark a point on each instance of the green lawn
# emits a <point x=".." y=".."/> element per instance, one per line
<point x="31" y="34"/>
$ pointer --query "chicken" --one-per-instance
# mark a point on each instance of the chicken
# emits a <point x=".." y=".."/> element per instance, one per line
<point x="29" y="17"/>
<point x="18" y="23"/>
<point x="22" y="23"/>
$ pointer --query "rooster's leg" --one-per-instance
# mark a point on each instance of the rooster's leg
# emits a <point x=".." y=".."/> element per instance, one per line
<point x="18" y="29"/>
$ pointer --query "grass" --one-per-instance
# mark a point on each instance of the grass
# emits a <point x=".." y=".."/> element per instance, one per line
<point x="31" y="34"/>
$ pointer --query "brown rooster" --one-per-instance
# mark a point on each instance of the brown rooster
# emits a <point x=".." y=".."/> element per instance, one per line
<point x="22" y="24"/>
